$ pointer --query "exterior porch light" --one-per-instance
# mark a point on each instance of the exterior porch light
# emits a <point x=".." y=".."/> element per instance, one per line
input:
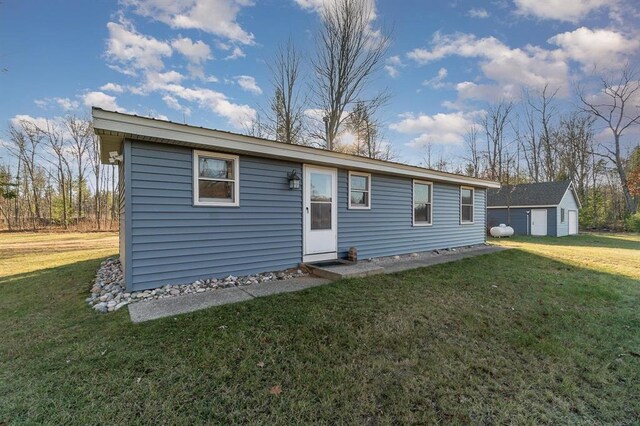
<point x="294" y="180"/>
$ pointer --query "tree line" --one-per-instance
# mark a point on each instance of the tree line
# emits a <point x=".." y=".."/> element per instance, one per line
<point x="532" y="141"/>
<point x="512" y="142"/>
<point x="53" y="177"/>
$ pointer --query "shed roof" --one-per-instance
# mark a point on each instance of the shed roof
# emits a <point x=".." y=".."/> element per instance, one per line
<point x="113" y="127"/>
<point x="529" y="194"/>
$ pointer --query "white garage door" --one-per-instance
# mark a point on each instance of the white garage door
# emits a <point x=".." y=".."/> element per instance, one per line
<point x="573" y="222"/>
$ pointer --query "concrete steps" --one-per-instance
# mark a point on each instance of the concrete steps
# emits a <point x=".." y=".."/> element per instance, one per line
<point x="338" y="269"/>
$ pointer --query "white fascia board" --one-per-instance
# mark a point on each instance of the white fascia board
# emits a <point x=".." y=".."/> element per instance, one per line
<point x="129" y="126"/>
<point x="575" y="195"/>
<point x="523" y="207"/>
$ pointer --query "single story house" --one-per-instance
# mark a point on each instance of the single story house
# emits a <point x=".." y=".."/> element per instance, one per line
<point x="547" y="208"/>
<point x="199" y="203"/>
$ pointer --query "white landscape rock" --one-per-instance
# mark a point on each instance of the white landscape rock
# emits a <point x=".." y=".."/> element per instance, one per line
<point x="108" y="293"/>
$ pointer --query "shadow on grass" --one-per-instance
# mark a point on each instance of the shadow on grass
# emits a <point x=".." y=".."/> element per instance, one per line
<point x="504" y="337"/>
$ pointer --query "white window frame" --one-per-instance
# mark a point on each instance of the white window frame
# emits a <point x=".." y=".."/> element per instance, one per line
<point x="563" y="215"/>
<point x="356" y="207"/>
<point x="473" y="205"/>
<point x="196" y="177"/>
<point x="413" y="202"/>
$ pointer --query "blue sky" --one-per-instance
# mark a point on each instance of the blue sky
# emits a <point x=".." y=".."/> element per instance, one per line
<point x="204" y="62"/>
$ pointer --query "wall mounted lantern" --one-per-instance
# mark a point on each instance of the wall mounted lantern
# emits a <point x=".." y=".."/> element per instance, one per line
<point x="294" y="180"/>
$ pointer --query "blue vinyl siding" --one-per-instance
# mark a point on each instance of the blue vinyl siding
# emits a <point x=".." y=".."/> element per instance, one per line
<point x="520" y="222"/>
<point x="168" y="240"/>
<point x="174" y="242"/>
<point x="518" y="219"/>
<point x="568" y="203"/>
<point x="386" y="229"/>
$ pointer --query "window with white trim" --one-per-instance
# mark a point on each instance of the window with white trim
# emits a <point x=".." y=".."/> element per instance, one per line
<point x="561" y="215"/>
<point x="359" y="190"/>
<point x="466" y="205"/>
<point x="215" y="179"/>
<point x="422" y="202"/>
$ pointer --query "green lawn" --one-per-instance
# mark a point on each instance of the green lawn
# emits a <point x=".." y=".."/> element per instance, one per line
<point x="545" y="333"/>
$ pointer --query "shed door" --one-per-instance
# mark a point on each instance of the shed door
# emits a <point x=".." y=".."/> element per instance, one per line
<point x="573" y="222"/>
<point x="320" y="213"/>
<point x="539" y="222"/>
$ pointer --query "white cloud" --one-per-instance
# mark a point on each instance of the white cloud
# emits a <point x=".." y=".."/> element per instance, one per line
<point x="135" y="50"/>
<point x="562" y="10"/>
<point x="67" y="104"/>
<point x="196" y="53"/>
<point x="437" y="81"/>
<point x="248" y="83"/>
<point x="158" y="80"/>
<point x="238" y="115"/>
<point x="102" y="100"/>
<point x="218" y="17"/>
<point x="478" y="13"/>
<point x="235" y="54"/>
<point x="441" y="128"/>
<point x="315" y="5"/>
<point x="596" y="48"/>
<point x="511" y="69"/>
<point x="392" y="65"/>
<point x="39" y="122"/>
<point x="112" y="87"/>
<point x="174" y="104"/>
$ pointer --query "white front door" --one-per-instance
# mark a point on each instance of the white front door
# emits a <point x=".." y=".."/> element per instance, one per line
<point x="573" y="222"/>
<point x="320" y="213"/>
<point x="539" y="222"/>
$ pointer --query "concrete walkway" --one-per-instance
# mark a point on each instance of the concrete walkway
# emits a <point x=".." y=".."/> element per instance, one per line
<point x="171" y="306"/>
<point x="154" y="309"/>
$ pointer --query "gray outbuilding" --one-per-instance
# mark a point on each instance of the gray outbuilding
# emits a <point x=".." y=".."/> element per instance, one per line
<point x="541" y="209"/>
<point x="200" y="203"/>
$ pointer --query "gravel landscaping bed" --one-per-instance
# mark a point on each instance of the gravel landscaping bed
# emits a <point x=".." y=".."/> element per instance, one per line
<point x="425" y="254"/>
<point x="108" y="292"/>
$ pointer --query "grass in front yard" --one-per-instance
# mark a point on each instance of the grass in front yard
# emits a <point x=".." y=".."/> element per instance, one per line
<point x="533" y="335"/>
<point x="614" y="253"/>
<point x="23" y="252"/>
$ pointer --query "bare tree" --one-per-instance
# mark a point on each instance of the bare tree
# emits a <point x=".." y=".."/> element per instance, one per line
<point x="574" y="146"/>
<point x="257" y="127"/>
<point x="618" y="106"/>
<point x="96" y="168"/>
<point x="537" y="138"/>
<point x="349" y="54"/>
<point x="473" y="150"/>
<point x="25" y="139"/>
<point x="54" y="136"/>
<point x="366" y="129"/>
<point x="287" y="106"/>
<point x="494" y="124"/>
<point x="80" y="134"/>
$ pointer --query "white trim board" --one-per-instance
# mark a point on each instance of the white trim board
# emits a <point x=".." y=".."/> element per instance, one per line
<point x="473" y="205"/>
<point x="114" y="127"/>
<point x="196" y="178"/>
<point x="368" y="190"/>
<point x="523" y="207"/>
